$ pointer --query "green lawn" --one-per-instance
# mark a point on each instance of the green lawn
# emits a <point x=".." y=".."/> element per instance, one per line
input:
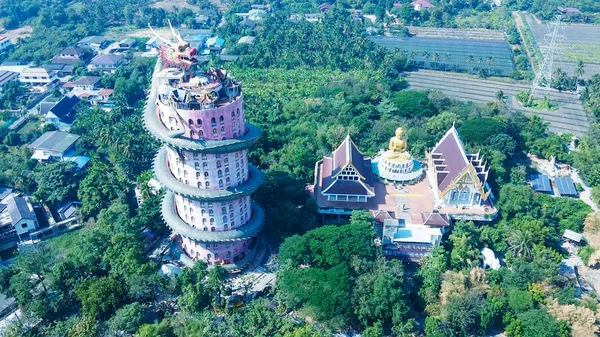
<point x="29" y="126"/>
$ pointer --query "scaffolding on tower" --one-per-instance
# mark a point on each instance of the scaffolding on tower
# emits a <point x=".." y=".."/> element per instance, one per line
<point x="543" y="78"/>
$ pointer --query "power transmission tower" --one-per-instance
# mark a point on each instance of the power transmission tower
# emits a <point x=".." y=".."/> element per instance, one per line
<point x="551" y="50"/>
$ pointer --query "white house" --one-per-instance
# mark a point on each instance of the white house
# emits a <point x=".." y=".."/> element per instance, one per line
<point x="37" y="77"/>
<point x="22" y="217"/>
<point x="106" y="63"/>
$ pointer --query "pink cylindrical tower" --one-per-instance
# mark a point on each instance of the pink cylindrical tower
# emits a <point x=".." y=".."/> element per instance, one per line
<point x="199" y="116"/>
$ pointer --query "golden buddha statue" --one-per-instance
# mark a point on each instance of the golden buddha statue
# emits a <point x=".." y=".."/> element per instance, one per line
<point x="397" y="148"/>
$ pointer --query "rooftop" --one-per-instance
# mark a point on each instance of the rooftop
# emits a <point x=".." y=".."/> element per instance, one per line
<point x="7" y="76"/>
<point x="106" y="60"/>
<point x="541" y="183"/>
<point x="565" y="187"/>
<point x="18" y="210"/>
<point x="87" y="80"/>
<point x="71" y="51"/>
<point x="56" y="141"/>
<point x="93" y="40"/>
<point x="571" y="235"/>
<point x="65" y="109"/>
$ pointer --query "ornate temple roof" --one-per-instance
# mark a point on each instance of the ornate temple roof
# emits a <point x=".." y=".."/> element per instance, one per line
<point x="348" y="154"/>
<point x="450" y="161"/>
<point x="345" y="156"/>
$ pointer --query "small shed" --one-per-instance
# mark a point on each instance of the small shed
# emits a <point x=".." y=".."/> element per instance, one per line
<point x="572" y="236"/>
<point x="566" y="187"/>
<point x="541" y="183"/>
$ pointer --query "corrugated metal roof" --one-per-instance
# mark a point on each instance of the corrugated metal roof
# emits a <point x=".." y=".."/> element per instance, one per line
<point x="566" y="187"/>
<point x="56" y="141"/>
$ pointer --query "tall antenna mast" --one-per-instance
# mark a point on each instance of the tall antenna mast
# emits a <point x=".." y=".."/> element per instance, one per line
<point x="543" y="78"/>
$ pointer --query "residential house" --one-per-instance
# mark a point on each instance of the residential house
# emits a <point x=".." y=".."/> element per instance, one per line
<point x="37" y="77"/>
<point x="60" y="69"/>
<point x="71" y="53"/>
<point x="106" y="63"/>
<point x="246" y="40"/>
<point x="105" y="94"/>
<point x="257" y="15"/>
<point x="127" y="44"/>
<point x="93" y="42"/>
<point x="215" y="44"/>
<point x="4" y="43"/>
<point x="419" y="5"/>
<point x="57" y="146"/>
<point x="313" y="17"/>
<point x="86" y="83"/>
<point x="7" y="77"/>
<point x="22" y="217"/>
<point x="195" y="40"/>
<point x="62" y="113"/>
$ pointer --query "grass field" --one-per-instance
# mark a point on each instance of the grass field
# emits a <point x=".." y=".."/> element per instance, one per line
<point x="31" y="125"/>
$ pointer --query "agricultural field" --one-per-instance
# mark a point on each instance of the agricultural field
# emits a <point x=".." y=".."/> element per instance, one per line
<point x="581" y="42"/>
<point x="570" y="117"/>
<point x="452" y="54"/>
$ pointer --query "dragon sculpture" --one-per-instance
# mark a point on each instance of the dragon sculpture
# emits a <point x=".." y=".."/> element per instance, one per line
<point x="177" y="54"/>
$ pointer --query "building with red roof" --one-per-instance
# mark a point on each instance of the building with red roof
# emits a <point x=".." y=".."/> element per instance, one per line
<point x="413" y="213"/>
<point x="421" y="4"/>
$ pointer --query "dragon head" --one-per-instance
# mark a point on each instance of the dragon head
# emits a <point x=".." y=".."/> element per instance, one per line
<point x="176" y="54"/>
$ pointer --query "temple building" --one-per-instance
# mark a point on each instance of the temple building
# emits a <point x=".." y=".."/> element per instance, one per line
<point x="199" y="117"/>
<point x="413" y="201"/>
<point x="347" y="175"/>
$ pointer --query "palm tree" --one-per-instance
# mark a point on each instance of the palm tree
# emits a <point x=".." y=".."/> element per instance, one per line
<point x="470" y="60"/>
<point x="411" y="57"/>
<point x="447" y="58"/>
<point x="579" y="70"/>
<point x="490" y="60"/>
<point x="435" y="59"/>
<point x="425" y="57"/>
<point x="520" y="244"/>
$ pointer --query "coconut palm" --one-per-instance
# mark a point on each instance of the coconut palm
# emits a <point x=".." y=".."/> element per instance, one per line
<point x="490" y="60"/>
<point x="435" y="58"/>
<point x="579" y="70"/>
<point x="470" y="59"/>
<point x="426" y="55"/>
<point x="520" y="244"/>
<point x="447" y="58"/>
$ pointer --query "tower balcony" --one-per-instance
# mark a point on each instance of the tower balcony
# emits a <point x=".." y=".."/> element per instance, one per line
<point x="248" y="230"/>
<point x="163" y="174"/>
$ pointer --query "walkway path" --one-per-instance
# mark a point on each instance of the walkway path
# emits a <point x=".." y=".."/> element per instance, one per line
<point x="570" y="117"/>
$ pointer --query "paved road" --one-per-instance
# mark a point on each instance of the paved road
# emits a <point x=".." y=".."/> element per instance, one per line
<point x="570" y="117"/>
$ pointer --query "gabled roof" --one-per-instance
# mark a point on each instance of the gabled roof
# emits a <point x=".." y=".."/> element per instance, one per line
<point x="19" y="210"/>
<point x="64" y="60"/>
<point x="450" y="162"/>
<point x="422" y="3"/>
<point x="7" y="76"/>
<point x="45" y="107"/>
<point x="56" y="141"/>
<point x="93" y="40"/>
<point x="101" y="60"/>
<point x="105" y="92"/>
<point x="348" y="154"/>
<point x="71" y="51"/>
<point x="65" y="109"/>
<point x="435" y="219"/>
<point x="87" y="80"/>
